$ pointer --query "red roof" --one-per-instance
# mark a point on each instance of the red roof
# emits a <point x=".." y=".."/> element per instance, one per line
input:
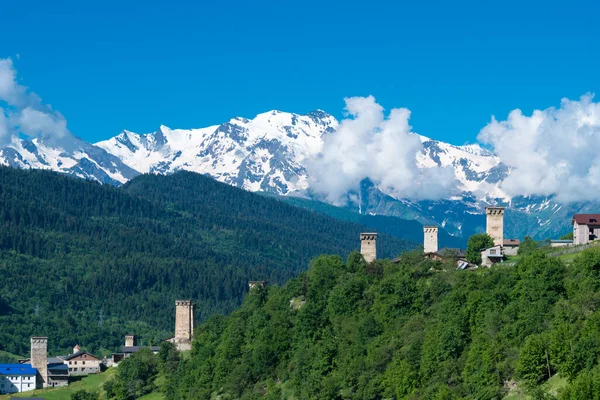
<point x="511" y="242"/>
<point x="586" y="219"/>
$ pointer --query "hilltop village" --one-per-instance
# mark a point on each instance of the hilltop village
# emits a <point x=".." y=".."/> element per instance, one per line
<point x="41" y="371"/>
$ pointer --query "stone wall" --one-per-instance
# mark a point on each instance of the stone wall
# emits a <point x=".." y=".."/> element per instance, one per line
<point x="368" y="246"/>
<point x="430" y="240"/>
<point x="495" y="224"/>
<point x="39" y="359"/>
<point x="184" y="324"/>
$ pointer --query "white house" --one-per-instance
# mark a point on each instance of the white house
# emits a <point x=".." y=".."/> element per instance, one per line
<point x="586" y="228"/>
<point x="16" y="378"/>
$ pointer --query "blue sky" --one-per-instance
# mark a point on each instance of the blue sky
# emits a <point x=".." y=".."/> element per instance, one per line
<point x="116" y="65"/>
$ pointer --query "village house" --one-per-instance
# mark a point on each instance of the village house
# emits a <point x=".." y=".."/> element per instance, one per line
<point x="127" y="350"/>
<point x="17" y="378"/>
<point x="511" y="246"/>
<point x="491" y="256"/>
<point x="586" y="228"/>
<point x="82" y="363"/>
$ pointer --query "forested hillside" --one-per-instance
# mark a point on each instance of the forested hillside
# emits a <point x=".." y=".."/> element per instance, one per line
<point x="414" y="330"/>
<point x="85" y="263"/>
<point x="410" y="229"/>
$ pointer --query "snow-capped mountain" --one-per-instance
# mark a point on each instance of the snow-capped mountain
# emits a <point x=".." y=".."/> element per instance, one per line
<point x="264" y="153"/>
<point x="269" y="153"/>
<point x="69" y="155"/>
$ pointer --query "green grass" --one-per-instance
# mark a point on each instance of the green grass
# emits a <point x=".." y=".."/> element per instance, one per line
<point x="91" y="382"/>
<point x="153" y="396"/>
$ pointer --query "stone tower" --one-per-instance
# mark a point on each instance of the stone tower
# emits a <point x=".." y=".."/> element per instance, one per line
<point x="184" y="324"/>
<point x="39" y="360"/>
<point x="495" y="224"/>
<point x="368" y="246"/>
<point x="129" y="340"/>
<point x="430" y="240"/>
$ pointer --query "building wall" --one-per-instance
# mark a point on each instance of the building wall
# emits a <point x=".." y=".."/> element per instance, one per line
<point x="16" y="383"/>
<point x="84" y="364"/>
<point x="430" y="240"/>
<point x="129" y="340"/>
<point x="184" y="324"/>
<point x="495" y="224"/>
<point x="39" y="358"/>
<point x="368" y="246"/>
<point x="58" y="381"/>
<point x="561" y="244"/>
<point x="511" y="250"/>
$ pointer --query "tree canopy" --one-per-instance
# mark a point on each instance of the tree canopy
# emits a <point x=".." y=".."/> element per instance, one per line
<point x="416" y="329"/>
<point x="476" y="243"/>
<point x="85" y="264"/>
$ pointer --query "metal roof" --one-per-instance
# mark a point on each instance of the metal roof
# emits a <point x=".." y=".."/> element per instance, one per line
<point x="586" y="219"/>
<point x="17" y="369"/>
<point x="79" y="353"/>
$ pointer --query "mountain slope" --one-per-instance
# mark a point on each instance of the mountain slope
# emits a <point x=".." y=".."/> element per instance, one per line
<point x="409" y="229"/>
<point x="87" y="263"/>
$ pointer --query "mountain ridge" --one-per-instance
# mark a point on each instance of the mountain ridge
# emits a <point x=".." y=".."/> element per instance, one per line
<point x="270" y="153"/>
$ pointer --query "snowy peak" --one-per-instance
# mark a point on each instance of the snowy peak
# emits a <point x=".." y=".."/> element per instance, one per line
<point x="263" y="153"/>
<point x="69" y="155"/>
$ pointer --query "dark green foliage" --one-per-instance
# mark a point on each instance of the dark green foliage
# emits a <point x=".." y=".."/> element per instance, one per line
<point x="135" y="376"/>
<point x="85" y="263"/>
<point x="168" y="358"/>
<point x="528" y="246"/>
<point x="568" y="236"/>
<point x="408" y="333"/>
<point x="84" y="395"/>
<point x="478" y="242"/>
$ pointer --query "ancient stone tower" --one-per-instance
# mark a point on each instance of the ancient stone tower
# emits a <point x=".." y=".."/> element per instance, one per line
<point x="368" y="246"/>
<point x="129" y="340"/>
<point x="39" y="359"/>
<point x="430" y="240"/>
<point x="184" y="324"/>
<point x="495" y="224"/>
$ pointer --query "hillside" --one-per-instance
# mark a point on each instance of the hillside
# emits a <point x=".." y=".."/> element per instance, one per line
<point x="414" y="330"/>
<point x="87" y="263"/>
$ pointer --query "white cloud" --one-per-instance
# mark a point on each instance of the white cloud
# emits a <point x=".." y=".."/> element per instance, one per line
<point x="24" y="112"/>
<point x="552" y="152"/>
<point x="368" y="144"/>
<point x="34" y="122"/>
<point x="3" y="125"/>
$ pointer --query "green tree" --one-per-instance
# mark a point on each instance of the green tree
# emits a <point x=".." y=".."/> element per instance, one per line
<point x="476" y="243"/>
<point x="135" y="375"/>
<point x="168" y="358"/>
<point x="84" y="395"/>
<point x="534" y="363"/>
<point x="528" y="246"/>
<point x="568" y="236"/>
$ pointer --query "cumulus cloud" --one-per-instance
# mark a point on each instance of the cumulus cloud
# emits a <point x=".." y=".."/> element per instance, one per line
<point x="369" y="144"/>
<point x="23" y="112"/>
<point x="551" y="152"/>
